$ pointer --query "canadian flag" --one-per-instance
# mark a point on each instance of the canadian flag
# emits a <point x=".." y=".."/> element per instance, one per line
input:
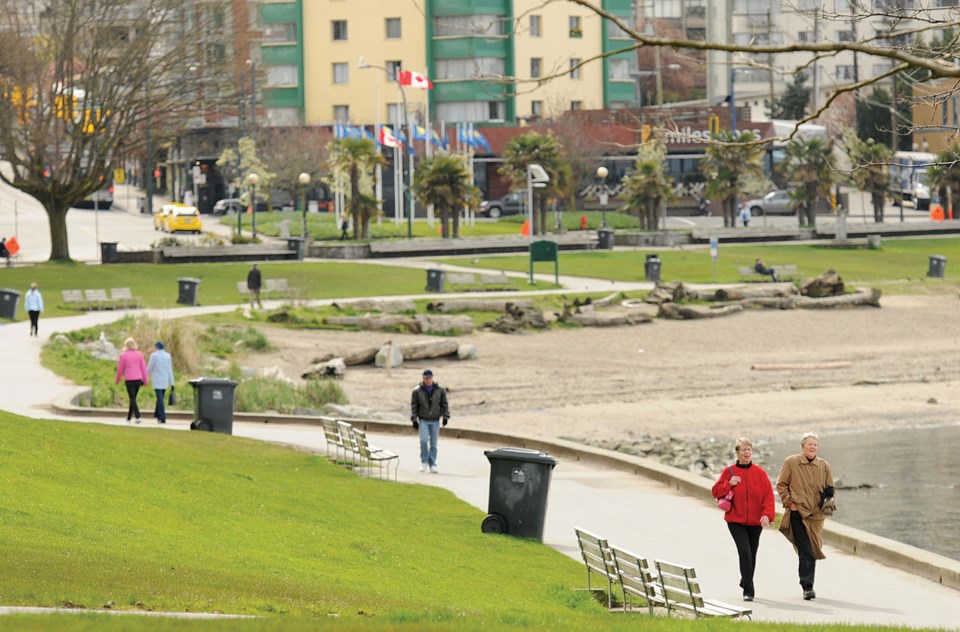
<point x="414" y="79"/>
<point x="388" y="139"/>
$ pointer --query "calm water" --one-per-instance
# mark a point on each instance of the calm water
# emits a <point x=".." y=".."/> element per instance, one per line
<point x="915" y="475"/>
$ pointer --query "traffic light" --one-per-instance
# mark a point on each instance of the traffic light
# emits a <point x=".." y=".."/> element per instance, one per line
<point x="713" y="125"/>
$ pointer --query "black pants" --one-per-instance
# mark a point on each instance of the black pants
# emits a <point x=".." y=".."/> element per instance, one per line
<point x="133" y="387"/>
<point x="747" y="540"/>
<point x="34" y="319"/>
<point x="808" y="563"/>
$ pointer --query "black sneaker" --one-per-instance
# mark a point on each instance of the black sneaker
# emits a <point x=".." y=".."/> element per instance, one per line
<point x="809" y="594"/>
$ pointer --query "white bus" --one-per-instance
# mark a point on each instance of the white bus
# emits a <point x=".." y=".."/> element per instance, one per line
<point x="909" y="177"/>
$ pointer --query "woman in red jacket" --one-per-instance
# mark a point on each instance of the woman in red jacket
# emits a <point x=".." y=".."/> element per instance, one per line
<point x="752" y="509"/>
<point x="132" y="369"/>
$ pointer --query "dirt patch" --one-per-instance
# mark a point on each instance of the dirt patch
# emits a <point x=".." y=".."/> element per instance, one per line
<point x="690" y="379"/>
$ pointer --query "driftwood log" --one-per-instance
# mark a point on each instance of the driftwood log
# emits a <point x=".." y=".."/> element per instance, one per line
<point x="827" y="284"/>
<point x="607" y="319"/>
<point x="518" y="318"/>
<point x="489" y="305"/>
<point x="334" y="368"/>
<point x="428" y="349"/>
<point x="764" y="291"/>
<point x="869" y="297"/>
<point x="420" y="323"/>
<point x="370" y="305"/>
<point x="665" y="292"/>
<point x="691" y="312"/>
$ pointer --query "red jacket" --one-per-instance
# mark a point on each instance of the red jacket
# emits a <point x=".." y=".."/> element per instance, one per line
<point x="752" y="497"/>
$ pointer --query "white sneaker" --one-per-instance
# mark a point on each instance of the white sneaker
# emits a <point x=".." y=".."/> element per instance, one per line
<point x="433" y="469"/>
<point x="139" y="420"/>
<point x="423" y="467"/>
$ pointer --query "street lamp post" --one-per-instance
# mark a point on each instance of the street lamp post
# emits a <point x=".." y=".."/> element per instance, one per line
<point x="304" y="179"/>
<point x="252" y="180"/>
<point x="404" y="193"/>
<point x="603" y="193"/>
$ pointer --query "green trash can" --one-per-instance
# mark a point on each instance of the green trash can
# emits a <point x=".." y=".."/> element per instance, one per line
<point x="213" y="404"/>
<point x="519" y="483"/>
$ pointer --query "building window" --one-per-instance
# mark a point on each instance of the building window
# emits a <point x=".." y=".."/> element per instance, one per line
<point x="615" y="32"/>
<point x="695" y="9"/>
<point x="341" y="73"/>
<point x="339" y="30"/>
<point x="535" y="26"/>
<point x="278" y="33"/>
<point x="285" y="76"/>
<point x="667" y="9"/>
<point x="575" y="68"/>
<point x="620" y="70"/>
<point x="393" y="69"/>
<point x="496" y="110"/>
<point x="697" y="34"/>
<point x="394" y="28"/>
<point x="395" y="114"/>
<point x="576" y="26"/>
<point x="341" y="113"/>
<point x="471" y="111"/>
<point x="282" y="117"/>
<point x="845" y="36"/>
<point x="476" y="24"/>
<point x="576" y="105"/>
<point x="536" y="109"/>
<point x="469" y="68"/>
<point x="535" y="67"/>
<point x="845" y="73"/>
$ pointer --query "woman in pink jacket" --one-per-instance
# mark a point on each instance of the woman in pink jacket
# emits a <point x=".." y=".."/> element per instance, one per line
<point x="132" y="368"/>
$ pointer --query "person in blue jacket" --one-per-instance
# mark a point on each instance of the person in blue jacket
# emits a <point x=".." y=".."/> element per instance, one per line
<point x="33" y="303"/>
<point x="160" y="369"/>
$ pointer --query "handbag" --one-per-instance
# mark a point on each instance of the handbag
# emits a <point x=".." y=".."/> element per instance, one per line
<point x="172" y="398"/>
<point x="725" y="502"/>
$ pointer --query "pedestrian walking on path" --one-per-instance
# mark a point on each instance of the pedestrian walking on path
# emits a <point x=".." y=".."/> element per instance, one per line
<point x="132" y="369"/>
<point x="160" y="370"/>
<point x="751" y="509"/>
<point x="428" y="406"/>
<point x="33" y="303"/>
<point x="745" y="215"/>
<point x="254" y="283"/>
<point x="805" y="485"/>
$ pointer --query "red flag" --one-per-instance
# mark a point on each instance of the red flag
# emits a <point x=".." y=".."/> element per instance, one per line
<point x="388" y="139"/>
<point x="414" y="80"/>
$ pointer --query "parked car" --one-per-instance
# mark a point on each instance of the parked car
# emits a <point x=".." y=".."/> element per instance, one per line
<point x="510" y="204"/>
<point x="773" y="203"/>
<point x="231" y="205"/>
<point x="185" y="218"/>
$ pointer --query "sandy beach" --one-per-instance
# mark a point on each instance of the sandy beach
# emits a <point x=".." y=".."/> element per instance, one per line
<point x="688" y="379"/>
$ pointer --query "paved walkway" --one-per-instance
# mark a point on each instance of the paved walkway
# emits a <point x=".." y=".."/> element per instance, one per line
<point x="632" y="512"/>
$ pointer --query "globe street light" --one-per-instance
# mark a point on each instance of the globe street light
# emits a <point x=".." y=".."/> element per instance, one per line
<point x="603" y="193"/>
<point x="304" y="179"/>
<point x="252" y="180"/>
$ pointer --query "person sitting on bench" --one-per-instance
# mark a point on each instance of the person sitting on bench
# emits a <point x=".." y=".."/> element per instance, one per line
<point x="762" y="269"/>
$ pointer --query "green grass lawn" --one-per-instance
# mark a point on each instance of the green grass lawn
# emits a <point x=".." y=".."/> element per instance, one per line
<point x="148" y="519"/>
<point x="901" y="262"/>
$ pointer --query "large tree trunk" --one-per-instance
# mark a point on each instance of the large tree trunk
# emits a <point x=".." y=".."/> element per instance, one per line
<point x="445" y="223"/>
<point x="456" y="223"/>
<point x="878" y="199"/>
<point x="355" y="202"/>
<point x="59" y="245"/>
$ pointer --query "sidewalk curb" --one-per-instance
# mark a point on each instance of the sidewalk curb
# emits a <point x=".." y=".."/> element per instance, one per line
<point x="905" y="557"/>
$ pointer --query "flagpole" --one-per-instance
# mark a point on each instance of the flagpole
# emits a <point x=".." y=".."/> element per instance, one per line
<point x="378" y="172"/>
<point x="428" y="143"/>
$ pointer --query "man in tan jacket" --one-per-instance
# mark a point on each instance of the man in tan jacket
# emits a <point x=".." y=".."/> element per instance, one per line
<point x="804" y="483"/>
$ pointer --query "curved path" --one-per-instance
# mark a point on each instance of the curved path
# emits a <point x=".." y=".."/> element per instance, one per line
<point x="632" y="512"/>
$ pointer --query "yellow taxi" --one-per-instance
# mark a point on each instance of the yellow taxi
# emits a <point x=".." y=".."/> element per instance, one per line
<point x="161" y="215"/>
<point x="185" y="218"/>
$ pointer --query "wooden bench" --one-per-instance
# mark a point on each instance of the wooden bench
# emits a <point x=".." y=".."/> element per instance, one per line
<point x="98" y="299"/>
<point x="681" y="591"/>
<point x="637" y="578"/>
<point x="277" y="287"/>
<point x="785" y="272"/>
<point x="469" y="282"/>
<point x="370" y="455"/>
<point x="123" y="296"/>
<point x="73" y="299"/>
<point x="598" y="559"/>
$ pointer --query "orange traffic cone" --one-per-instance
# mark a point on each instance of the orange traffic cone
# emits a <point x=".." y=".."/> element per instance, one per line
<point x="936" y="213"/>
<point x="525" y="228"/>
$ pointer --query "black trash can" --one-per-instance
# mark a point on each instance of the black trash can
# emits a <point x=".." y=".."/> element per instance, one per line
<point x="188" y="291"/>
<point x="519" y="482"/>
<point x="938" y="266"/>
<point x="606" y="239"/>
<point x="296" y="244"/>
<point x="108" y="252"/>
<point x="213" y="404"/>
<point x="651" y="268"/>
<point x="142" y="204"/>
<point x="435" y="280"/>
<point x="9" y="299"/>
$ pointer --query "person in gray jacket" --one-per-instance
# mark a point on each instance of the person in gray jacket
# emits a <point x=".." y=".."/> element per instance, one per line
<point x="160" y="369"/>
<point x="428" y="406"/>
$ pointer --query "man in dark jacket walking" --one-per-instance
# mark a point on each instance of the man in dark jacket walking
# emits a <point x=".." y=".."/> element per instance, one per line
<point x="428" y="406"/>
<point x="254" y="283"/>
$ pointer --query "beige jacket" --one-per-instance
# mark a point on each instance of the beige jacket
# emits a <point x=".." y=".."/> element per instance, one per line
<point x="800" y="482"/>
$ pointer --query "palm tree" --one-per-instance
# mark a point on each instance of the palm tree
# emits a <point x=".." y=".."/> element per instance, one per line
<point x="646" y="187"/>
<point x="444" y="181"/>
<point x="871" y="172"/>
<point x="809" y="169"/>
<point x="945" y="174"/>
<point x="733" y="166"/>
<point x="544" y="150"/>
<point x="356" y="158"/>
